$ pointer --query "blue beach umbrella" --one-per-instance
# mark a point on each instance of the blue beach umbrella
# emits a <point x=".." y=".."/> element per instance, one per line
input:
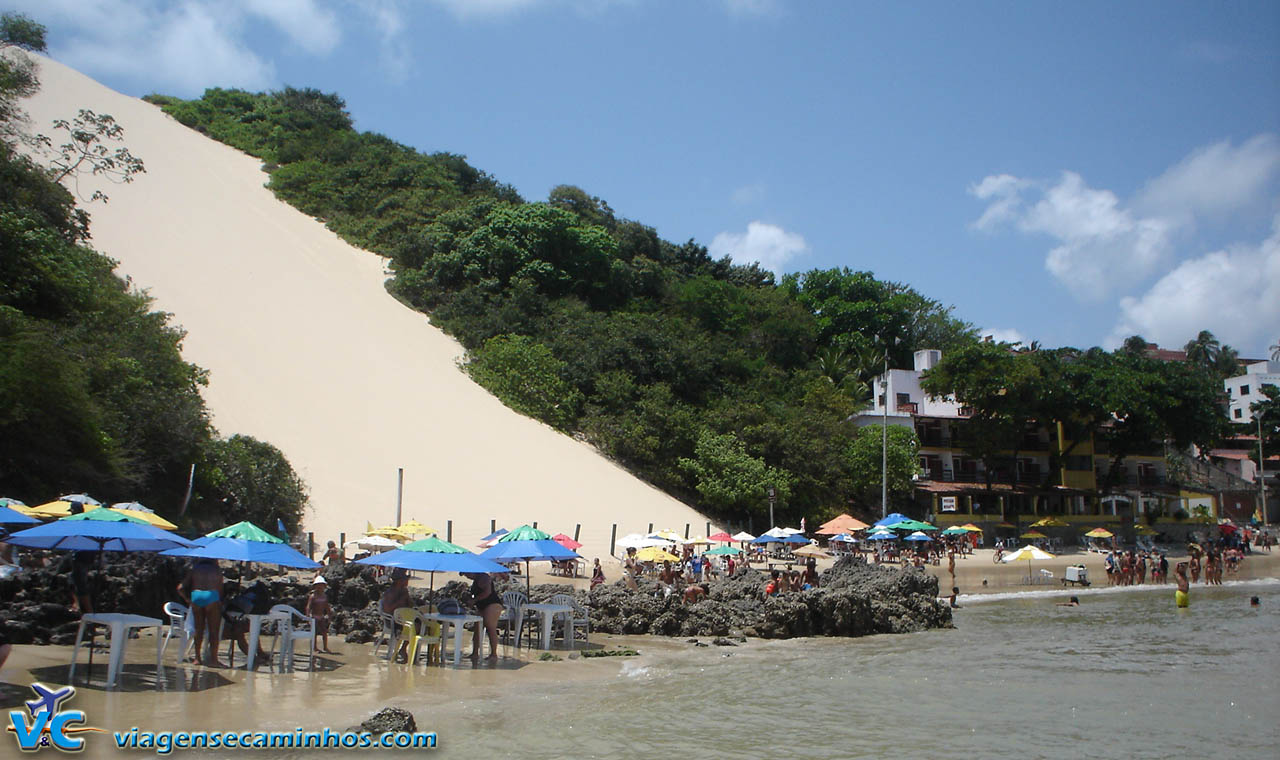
<point x="892" y="519"/>
<point x="527" y="544"/>
<point x="14" y="517"/>
<point x="767" y="539"/>
<point x="917" y="536"/>
<point x="795" y="538"/>
<point x="245" y="550"/>
<point x="432" y="555"/>
<point x="881" y="537"/>
<point x="99" y="530"/>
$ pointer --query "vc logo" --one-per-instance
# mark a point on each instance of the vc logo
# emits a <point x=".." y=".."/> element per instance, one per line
<point x="48" y="725"/>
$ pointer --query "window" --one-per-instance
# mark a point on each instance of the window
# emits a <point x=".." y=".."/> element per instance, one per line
<point x="1238" y="412"/>
<point x="1244" y="390"/>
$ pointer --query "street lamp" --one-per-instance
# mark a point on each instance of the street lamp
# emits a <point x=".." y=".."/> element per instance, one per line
<point x="772" y="495"/>
<point x="884" y="432"/>
<point x="1262" y="484"/>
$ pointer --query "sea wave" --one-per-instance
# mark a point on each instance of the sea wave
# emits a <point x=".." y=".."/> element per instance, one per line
<point x="1065" y="593"/>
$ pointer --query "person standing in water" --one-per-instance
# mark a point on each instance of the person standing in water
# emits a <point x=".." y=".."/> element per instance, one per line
<point x="202" y="590"/>
<point x="1181" y="597"/>
<point x="489" y="607"/>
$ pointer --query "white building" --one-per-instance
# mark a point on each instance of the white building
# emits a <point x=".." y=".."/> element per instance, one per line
<point x="1246" y="389"/>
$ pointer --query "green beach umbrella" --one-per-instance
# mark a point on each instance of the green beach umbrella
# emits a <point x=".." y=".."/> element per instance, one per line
<point x="725" y="550"/>
<point x="956" y="531"/>
<point x="434" y="544"/>
<point x="525" y="533"/>
<point x="912" y="525"/>
<point x="246" y="530"/>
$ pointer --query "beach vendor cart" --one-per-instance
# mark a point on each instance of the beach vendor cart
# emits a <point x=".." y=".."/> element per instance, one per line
<point x="1076" y="575"/>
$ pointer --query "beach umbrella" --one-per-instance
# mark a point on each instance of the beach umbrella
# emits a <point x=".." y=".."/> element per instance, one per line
<point x="791" y="531"/>
<point x="656" y="554"/>
<point x="389" y="531"/>
<point x="10" y="515"/>
<point x="1048" y="522"/>
<point x="145" y="513"/>
<point x="1027" y="553"/>
<point x="971" y="528"/>
<point x="918" y="536"/>
<point x="668" y="535"/>
<point x="955" y="531"/>
<point x="699" y="541"/>
<point x="415" y="528"/>
<point x="245" y="530"/>
<point x="776" y="532"/>
<point x="722" y="537"/>
<point x="1007" y="526"/>
<point x="882" y="537"/>
<point x="1145" y="530"/>
<point x="19" y="506"/>
<point x="245" y="550"/>
<point x="912" y="525"/>
<point x="810" y="551"/>
<point x="65" y="506"/>
<point x="891" y="519"/>
<point x="98" y="530"/>
<point x="743" y="536"/>
<point x="1034" y="534"/>
<point x="494" y="536"/>
<point x="380" y="543"/>
<point x="725" y="550"/>
<point x="566" y="542"/>
<point x="767" y="539"/>
<point x="434" y="555"/>
<point x="842" y="524"/>
<point x="795" y="538"/>
<point x="1100" y="533"/>
<point x="638" y="541"/>
<point x="844" y="538"/>
<point x="527" y="544"/>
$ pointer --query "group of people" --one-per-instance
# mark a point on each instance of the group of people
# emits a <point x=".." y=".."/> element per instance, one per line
<point x="1129" y="568"/>
<point x="783" y="581"/>
<point x="482" y="596"/>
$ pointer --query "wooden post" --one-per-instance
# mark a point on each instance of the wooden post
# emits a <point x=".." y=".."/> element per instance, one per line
<point x="576" y="528"/>
<point x="311" y="545"/>
<point x="493" y="526"/>
<point x="449" y="528"/>
<point x="613" y="537"/>
<point x="686" y="531"/>
<point x="708" y="530"/>
<point x="650" y="528"/>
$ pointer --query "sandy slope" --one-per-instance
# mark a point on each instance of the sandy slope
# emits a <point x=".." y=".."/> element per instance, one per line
<point x="306" y="350"/>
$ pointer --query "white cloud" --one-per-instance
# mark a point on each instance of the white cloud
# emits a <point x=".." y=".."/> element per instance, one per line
<point x="767" y="244"/>
<point x="393" y="52"/>
<point x="1234" y="293"/>
<point x="1213" y="180"/>
<point x="1004" y="335"/>
<point x="313" y="29"/>
<point x="748" y="194"/>
<point x="1104" y="245"/>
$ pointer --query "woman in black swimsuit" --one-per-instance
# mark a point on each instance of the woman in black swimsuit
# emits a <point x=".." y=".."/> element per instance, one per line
<point x="489" y="607"/>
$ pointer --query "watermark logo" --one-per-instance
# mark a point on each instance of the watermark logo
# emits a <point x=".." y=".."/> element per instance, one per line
<point x="49" y="725"/>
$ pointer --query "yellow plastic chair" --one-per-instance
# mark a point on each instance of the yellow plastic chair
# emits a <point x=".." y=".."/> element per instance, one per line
<point x="407" y="619"/>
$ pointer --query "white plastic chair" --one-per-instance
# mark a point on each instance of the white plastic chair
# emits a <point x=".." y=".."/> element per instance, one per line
<point x="289" y="629"/>
<point x="570" y="622"/>
<point x="387" y="636"/>
<point x="180" y="625"/>
<point x="513" y="603"/>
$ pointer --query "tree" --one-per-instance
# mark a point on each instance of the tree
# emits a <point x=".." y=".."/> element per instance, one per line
<point x="1202" y="350"/>
<point x="729" y="480"/>
<point x="1268" y="410"/>
<point x="18" y="77"/>
<point x="525" y="376"/>
<point x="1275" y="352"/>
<point x="242" y="478"/>
<point x="865" y="455"/>
<point x="86" y="152"/>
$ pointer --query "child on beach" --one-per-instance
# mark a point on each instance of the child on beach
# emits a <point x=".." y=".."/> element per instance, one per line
<point x="319" y="609"/>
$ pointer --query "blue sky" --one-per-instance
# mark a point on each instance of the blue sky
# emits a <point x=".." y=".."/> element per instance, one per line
<point x="1072" y="173"/>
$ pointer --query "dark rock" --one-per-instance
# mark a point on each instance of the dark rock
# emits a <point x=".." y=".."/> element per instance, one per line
<point x="390" y="719"/>
<point x="359" y="637"/>
<point x="721" y="641"/>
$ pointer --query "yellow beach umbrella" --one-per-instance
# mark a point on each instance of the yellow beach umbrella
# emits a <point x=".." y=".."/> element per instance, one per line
<point x="1048" y="522"/>
<point x="415" y="528"/>
<point x="1034" y="534"/>
<point x="1100" y="533"/>
<point x="971" y="528"/>
<point x="669" y="535"/>
<point x="137" y="511"/>
<point x="656" y="554"/>
<point x="1145" y="530"/>
<point x="700" y="541"/>
<point x="58" y="509"/>
<point x="1028" y="553"/>
<point x="389" y="531"/>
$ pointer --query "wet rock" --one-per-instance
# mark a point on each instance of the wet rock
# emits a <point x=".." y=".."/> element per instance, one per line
<point x="721" y="641"/>
<point x="359" y="637"/>
<point x="390" y="719"/>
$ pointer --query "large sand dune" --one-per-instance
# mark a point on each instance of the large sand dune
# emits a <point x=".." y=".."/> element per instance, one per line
<point x="306" y="349"/>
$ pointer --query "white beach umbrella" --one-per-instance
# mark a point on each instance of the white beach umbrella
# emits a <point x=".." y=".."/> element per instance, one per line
<point x="777" y="532"/>
<point x="743" y="536"/>
<point x="380" y="543"/>
<point x="791" y="531"/>
<point x="1028" y="553"/>
<point x="638" y="541"/>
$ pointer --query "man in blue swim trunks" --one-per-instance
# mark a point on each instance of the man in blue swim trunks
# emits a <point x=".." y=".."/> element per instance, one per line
<point x="202" y="590"/>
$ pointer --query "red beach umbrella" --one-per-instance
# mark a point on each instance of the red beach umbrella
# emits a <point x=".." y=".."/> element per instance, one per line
<point x="566" y="542"/>
<point x="721" y="536"/>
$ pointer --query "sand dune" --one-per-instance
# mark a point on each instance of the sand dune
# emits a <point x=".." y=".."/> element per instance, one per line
<point x="307" y="350"/>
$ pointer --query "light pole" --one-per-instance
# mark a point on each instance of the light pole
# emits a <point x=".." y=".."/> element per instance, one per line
<point x="884" y="442"/>
<point x="772" y="495"/>
<point x="1262" y="485"/>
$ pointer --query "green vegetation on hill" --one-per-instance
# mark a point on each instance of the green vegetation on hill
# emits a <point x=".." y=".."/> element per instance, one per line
<point x="94" y="394"/>
<point x="704" y="377"/>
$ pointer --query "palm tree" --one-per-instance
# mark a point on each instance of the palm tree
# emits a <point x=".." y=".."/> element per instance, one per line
<point x="1275" y="352"/>
<point x="1227" y="362"/>
<point x="1203" y="350"/>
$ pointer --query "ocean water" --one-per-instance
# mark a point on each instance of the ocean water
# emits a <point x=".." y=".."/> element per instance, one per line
<point x="1124" y="675"/>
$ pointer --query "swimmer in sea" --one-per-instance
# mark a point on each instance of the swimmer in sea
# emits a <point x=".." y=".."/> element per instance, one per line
<point x="1181" y="597"/>
<point x="1072" y="602"/>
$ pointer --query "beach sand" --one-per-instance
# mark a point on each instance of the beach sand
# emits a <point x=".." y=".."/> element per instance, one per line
<point x="306" y="350"/>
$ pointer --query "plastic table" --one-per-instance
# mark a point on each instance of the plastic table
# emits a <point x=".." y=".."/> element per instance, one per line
<point x="548" y="612"/>
<point x="454" y="620"/>
<point x="118" y="627"/>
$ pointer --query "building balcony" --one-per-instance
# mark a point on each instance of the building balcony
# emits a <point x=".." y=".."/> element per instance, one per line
<point x="910" y="407"/>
